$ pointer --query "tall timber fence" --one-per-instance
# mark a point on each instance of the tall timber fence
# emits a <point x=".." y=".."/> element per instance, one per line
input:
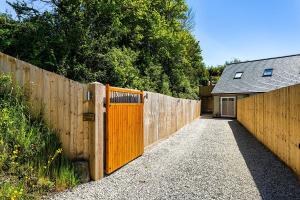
<point x="274" y="119"/>
<point x="62" y="103"/>
<point x="77" y="111"/>
<point x="164" y="115"/>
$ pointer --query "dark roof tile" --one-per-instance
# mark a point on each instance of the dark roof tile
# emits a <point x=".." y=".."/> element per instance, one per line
<point x="286" y="71"/>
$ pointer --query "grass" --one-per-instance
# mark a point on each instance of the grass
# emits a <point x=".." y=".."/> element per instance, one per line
<point x="31" y="158"/>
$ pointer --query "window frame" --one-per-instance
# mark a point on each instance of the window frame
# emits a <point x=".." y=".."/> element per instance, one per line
<point x="239" y="72"/>
<point x="268" y="70"/>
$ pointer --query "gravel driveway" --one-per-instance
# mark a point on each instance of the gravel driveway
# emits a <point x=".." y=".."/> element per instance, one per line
<point x="208" y="159"/>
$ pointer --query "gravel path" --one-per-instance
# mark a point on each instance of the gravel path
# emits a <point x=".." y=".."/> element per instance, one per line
<point x="208" y="159"/>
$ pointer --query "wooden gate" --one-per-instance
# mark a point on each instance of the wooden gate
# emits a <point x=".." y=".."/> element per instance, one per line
<point x="124" y="127"/>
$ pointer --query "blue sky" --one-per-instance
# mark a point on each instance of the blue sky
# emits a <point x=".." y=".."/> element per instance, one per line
<point x="244" y="29"/>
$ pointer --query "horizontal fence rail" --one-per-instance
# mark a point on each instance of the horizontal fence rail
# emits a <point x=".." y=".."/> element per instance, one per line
<point x="274" y="119"/>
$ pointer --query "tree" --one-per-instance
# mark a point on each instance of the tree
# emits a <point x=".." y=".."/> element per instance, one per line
<point x="215" y="72"/>
<point x="141" y="44"/>
<point x="234" y="60"/>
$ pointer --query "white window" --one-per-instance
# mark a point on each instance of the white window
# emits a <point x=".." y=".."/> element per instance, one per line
<point x="238" y="75"/>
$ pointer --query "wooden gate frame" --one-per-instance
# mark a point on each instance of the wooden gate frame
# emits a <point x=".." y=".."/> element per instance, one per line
<point x="110" y="89"/>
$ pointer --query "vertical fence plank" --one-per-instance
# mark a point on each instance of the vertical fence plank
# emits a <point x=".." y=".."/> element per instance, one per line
<point x="46" y="97"/>
<point x="60" y="103"/>
<point x="80" y="132"/>
<point x="86" y="127"/>
<point x="147" y="119"/>
<point x="66" y="117"/>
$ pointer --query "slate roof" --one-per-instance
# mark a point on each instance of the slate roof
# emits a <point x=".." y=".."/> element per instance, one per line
<point x="286" y="71"/>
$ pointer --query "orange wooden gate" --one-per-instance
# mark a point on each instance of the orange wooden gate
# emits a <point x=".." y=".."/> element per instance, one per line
<point x="124" y="127"/>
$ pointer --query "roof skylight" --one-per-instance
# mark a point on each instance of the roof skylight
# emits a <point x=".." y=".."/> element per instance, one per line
<point x="268" y="72"/>
<point x="238" y="75"/>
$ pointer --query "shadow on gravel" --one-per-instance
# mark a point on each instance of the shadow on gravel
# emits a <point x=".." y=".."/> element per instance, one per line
<point x="272" y="177"/>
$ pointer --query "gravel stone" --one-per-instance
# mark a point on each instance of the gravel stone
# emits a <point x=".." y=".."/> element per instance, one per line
<point x="208" y="159"/>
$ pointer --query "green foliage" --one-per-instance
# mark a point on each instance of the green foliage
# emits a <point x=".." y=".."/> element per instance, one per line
<point x="215" y="73"/>
<point x="142" y="44"/>
<point x="12" y="191"/>
<point x="65" y="177"/>
<point x="123" y="73"/>
<point x="234" y="60"/>
<point x="31" y="160"/>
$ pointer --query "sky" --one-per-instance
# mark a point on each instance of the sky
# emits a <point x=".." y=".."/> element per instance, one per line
<point x="243" y="29"/>
<point x="246" y="29"/>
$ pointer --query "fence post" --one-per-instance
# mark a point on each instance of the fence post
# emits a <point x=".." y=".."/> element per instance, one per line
<point x="96" y="131"/>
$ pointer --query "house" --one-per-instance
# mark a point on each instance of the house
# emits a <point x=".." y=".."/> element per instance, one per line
<point x="247" y="78"/>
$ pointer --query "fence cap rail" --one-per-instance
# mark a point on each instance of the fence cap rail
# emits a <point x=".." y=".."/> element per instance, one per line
<point x="131" y="91"/>
<point x="126" y="104"/>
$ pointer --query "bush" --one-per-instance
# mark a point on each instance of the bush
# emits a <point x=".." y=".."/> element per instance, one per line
<point x="31" y="159"/>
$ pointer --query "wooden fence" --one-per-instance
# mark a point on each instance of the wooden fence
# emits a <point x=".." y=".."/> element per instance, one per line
<point x="274" y="119"/>
<point x="164" y="115"/>
<point x="63" y="104"/>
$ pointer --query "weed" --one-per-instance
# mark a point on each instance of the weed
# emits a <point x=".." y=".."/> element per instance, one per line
<point x="31" y="158"/>
<point x="65" y="177"/>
